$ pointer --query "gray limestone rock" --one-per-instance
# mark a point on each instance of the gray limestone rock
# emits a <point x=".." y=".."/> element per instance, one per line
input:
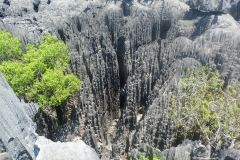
<point x="47" y="150"/>
<point x="129" y="55"/>
<point x="229" y="154"/>
<point x="188" y="150"/>
<point x="222" y="6"/>
<point x="235" y="10"/>
<point x="3" y="152"/>
<point x="17" y="131"/>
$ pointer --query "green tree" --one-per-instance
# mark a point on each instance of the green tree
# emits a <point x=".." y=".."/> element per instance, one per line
<point x="40" y="74"/>
<point x="54" y="88"/>
<point x="10" y="48"/>
<point x="201" y="106"/>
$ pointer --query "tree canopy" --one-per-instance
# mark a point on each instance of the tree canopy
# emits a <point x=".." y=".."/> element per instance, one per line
<point x="40" y="74"/>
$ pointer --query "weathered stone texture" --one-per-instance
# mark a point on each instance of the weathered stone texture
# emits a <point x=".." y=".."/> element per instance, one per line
<point x="128" y="54"/>
<point x="17" y="131"/>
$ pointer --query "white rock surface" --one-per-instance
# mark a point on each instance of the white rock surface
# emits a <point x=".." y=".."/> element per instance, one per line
<point x="49" y="150"/>
<point x="17" y="130"/>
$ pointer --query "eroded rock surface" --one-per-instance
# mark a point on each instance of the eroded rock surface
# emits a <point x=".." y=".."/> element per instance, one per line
<point x="17" y="131"/>
<point x="128" y="54"/>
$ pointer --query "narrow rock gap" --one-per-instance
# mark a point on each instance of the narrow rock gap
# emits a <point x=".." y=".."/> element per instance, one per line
<point x="35" y="8"/>
<point x="194" y="14"/>
<point x="61" y="34"/>
<point x="121" y="65"/>
<point x="208" y="13"/>
<point x="79" y="26"/>
<point x="122" y="70"/>
<point x="154" y="32"/>
<point x="165" y="26"/>
<point x="126" y="5"/>
<point x="59" y="115"/>
<point x="87" y="69"/>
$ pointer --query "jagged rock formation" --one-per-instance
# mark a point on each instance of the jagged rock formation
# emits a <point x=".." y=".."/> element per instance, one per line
<point x="128" y="54"/>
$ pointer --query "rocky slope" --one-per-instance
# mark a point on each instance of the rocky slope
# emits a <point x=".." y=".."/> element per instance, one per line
<point x="128" y="55"/>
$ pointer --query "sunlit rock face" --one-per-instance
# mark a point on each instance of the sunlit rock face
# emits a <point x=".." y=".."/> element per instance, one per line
<point x="17" y="131"/>
<point x="128" y="54"/>
<point x="48" y="150"/>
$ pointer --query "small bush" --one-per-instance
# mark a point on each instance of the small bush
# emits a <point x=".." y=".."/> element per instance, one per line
<point x="201" y="106"/>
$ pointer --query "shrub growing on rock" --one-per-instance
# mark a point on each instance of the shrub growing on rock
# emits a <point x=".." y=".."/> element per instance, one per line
<point x="40" y="74"/>
<point x="202" y="106"/>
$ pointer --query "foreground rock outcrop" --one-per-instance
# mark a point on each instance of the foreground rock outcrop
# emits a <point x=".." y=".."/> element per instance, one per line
<point x="128" y="54"/>
<point x="17" y="131"/>
<point x="18" y="140"/>
<point x="48" y="150"/>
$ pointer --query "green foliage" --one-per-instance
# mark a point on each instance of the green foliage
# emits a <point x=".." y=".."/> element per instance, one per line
<point x="155" y="157"/>
<point x="54" y="88"/>
<point x="10" y="48"/>
<point x="40" y="74"/>
<point x="201" y="106"/>
<point x="19" y="75"/>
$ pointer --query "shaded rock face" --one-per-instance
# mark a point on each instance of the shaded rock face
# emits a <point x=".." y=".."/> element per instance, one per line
<point x="61" y="123"/>
<point x="128" y="54"/>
